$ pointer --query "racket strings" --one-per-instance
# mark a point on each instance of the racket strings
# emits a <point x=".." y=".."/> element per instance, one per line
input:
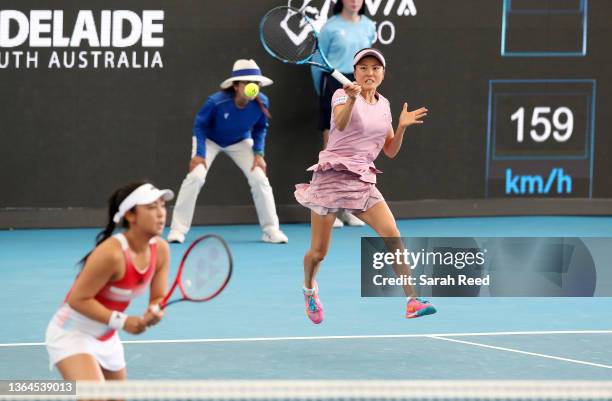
<point x="206" y="270"/>
<point x="288" y="35"/>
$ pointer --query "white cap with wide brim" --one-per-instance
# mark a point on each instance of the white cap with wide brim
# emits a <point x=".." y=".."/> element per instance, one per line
<point x="246" y="70"/>
<point x="143" y="195"/>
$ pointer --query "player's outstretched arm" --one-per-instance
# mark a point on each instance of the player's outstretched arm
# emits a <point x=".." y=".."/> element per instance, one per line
<point x="393" y="143"/>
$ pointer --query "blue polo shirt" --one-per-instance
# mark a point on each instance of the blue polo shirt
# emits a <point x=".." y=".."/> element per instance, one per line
<point x="221" y="121"/>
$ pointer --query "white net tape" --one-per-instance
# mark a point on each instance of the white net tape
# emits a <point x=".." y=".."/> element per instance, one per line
<point x="335" y="390"/>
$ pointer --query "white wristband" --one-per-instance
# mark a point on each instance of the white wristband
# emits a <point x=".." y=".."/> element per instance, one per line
<point x="117" y="320"/>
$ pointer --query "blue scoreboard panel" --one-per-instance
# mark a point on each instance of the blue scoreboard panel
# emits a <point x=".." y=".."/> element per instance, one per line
<point x="544" y="28"/>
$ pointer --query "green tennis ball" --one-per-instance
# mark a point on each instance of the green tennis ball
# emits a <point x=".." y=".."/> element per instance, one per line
<point x="251" y="90"/>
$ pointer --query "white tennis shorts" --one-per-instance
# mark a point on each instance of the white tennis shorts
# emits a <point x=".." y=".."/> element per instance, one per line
<point x="62" y="343"/>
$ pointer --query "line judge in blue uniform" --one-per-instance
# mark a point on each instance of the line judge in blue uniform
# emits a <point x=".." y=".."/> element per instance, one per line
<point x="236" y="124"/>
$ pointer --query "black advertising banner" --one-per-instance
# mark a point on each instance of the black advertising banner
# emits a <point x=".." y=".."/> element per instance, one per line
<point x="95" y="94"/>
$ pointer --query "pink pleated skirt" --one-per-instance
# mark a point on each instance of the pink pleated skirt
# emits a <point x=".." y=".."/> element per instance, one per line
<point x="331" y="191"/>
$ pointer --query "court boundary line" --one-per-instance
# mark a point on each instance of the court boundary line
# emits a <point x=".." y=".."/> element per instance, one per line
<point x="557" y="358"/>
<point x="347" y="337"/>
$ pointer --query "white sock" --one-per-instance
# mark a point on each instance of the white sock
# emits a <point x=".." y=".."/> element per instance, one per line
<point x="308" y="291"/>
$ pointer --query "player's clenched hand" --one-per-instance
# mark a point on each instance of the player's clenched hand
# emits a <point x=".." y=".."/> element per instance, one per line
<point x="152" y="316"/>
<point x="135" y="325"/>
<point x="352" y="90"/>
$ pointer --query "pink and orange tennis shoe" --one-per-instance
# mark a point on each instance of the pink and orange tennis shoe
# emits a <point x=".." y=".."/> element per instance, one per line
<point x="418" y="307"/>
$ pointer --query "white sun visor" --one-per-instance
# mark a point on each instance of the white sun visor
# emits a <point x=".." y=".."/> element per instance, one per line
<point x="143" y="195"/>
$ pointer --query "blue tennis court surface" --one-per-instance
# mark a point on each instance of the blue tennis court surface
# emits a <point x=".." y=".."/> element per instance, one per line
<point x="257" y="328"/>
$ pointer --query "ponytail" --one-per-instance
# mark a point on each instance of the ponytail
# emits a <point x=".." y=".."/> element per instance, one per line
<point x="113" y="207"/>
<point x="263" y="108"/>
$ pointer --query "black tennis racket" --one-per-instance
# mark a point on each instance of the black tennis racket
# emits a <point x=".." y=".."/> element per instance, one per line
<point x="277" y="34"/>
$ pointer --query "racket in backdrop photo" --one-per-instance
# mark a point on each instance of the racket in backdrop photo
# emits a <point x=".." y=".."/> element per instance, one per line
<point x="204" y="271"/>
<point x="290" y="36"/>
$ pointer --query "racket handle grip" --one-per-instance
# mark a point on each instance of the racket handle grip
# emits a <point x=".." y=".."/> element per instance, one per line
<point x="340" y="77"/>
<point x="155" y="308"/>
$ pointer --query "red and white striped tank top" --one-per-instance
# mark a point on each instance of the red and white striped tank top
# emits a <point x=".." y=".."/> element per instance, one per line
<point x="115" y="295"/>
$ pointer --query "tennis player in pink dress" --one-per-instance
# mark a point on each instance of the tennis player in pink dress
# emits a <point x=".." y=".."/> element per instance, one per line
<point x="345" y="176"/>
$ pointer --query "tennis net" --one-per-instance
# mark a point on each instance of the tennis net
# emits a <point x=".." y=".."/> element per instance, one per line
<point x="332" y="390"/>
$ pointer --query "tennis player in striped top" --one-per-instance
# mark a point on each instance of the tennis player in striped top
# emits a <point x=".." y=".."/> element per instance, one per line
<point x="82" y="338"/>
